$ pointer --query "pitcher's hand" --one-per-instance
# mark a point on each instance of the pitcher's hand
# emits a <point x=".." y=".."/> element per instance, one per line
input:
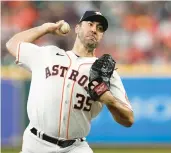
<point x="54" y="28"/>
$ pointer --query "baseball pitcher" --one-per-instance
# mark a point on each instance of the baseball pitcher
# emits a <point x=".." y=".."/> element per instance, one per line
<point x="68" y="88"/>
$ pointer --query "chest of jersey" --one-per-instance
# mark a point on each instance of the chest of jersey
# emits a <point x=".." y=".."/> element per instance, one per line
<point x="71" y="70"/>
<point x="61" y="94"/>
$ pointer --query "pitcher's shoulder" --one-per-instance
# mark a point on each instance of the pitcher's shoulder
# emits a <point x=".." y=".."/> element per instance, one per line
<point x="116" y="75"/>
<point x="53" y="49"/>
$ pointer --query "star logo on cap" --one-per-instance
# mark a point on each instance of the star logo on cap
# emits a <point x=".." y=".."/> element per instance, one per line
<point x="98" y="13"/>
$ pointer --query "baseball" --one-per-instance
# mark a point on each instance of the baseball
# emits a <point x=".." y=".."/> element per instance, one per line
<point x="65" y="28"/>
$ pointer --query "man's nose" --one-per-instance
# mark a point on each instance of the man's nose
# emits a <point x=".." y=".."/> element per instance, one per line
<point x="93" y="28"/>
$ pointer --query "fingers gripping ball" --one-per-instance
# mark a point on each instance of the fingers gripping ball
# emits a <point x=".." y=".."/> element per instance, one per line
<point x="100" y="72"/>
<point x="65" y="28"/>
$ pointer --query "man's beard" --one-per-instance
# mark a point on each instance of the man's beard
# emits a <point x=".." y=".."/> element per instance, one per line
<point x="88" y="44"/>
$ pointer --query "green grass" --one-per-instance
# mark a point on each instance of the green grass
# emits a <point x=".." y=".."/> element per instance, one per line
<point x="117" y="150"/>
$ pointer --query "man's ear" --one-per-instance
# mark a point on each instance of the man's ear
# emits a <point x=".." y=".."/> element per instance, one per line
<point x="77" y="27"/>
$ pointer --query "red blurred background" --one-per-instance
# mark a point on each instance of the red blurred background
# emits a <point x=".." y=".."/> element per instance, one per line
<point x="139" y="32"/>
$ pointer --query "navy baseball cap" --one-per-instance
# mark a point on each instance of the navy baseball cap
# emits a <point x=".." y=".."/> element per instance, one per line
<point x="95" y="16"/>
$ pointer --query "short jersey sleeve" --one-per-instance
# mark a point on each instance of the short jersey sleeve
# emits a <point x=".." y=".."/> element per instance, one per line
<point x="27" y="55"/>
<point x="117" y="89"/>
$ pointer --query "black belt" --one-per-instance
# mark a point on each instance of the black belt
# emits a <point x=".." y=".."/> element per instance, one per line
<point x="61" y="143"/>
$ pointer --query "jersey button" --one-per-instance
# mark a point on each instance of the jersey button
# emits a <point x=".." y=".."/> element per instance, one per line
<point x="64" y="118"/>
<point x="66" y="102"/>
<point x="68" y="85"/>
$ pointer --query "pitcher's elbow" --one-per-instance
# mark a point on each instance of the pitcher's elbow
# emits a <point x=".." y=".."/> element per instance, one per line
<point x="7" y="45"/>
<point x="10" y="48"/>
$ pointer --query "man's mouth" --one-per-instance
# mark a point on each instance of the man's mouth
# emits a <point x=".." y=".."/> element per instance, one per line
<point x="92" y="37"/>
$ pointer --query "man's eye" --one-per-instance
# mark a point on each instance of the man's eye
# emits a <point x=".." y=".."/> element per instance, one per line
<point x="90" y="24"/>
<point x="100" y="28"/>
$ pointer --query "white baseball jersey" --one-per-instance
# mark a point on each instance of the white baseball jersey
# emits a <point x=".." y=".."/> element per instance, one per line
<point x="58" y="102"/>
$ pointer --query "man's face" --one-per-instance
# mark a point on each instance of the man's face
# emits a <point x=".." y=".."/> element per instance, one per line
<point x="90" y="34"/>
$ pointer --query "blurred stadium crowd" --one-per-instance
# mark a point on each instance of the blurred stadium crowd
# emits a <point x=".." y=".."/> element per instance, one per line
<point x="139" y="32"/>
